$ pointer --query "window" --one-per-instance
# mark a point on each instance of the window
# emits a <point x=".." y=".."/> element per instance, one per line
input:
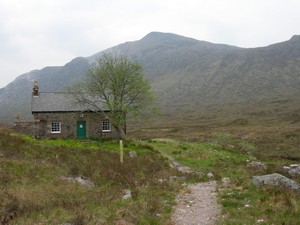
<point x="55" y="127"/>
<point x="105" y="126"/>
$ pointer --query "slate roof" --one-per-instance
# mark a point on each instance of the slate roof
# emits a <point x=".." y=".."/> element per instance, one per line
<point x="56" y="102"/>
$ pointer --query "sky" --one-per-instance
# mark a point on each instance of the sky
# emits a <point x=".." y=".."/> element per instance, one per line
<point x="39" y="33"/>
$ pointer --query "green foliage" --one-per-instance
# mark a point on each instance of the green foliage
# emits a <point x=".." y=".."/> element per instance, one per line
<point x="119" y="85"/>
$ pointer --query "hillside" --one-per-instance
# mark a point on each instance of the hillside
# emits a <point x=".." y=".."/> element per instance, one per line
<point x="16" y="96"/>
<point x="186" y="74"/>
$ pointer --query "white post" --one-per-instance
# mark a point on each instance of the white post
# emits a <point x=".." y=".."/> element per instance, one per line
<point x="121" y="152"/>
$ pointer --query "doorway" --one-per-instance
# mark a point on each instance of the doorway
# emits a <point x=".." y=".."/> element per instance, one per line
<point x="81" y="129"/>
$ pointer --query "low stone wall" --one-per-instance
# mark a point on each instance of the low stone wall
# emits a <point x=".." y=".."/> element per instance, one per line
<point x="24" y="127"/>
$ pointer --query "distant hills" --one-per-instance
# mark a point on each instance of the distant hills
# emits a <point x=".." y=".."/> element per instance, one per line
<point x="186" y="74"/>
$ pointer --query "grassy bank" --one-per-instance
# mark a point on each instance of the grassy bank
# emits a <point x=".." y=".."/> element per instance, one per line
<point x="32" y="192"/>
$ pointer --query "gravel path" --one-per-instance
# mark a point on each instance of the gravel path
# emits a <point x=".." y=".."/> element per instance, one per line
<point x="197" y="205"/>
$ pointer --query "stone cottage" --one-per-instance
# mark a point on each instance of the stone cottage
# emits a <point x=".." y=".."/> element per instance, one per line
<point x="56" y="115"/>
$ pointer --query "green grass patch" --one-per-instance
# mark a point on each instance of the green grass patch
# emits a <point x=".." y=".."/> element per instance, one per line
<point x="204" y="157"/>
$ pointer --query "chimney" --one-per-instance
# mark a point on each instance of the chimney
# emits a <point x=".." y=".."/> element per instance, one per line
<point x="35" y="89"/>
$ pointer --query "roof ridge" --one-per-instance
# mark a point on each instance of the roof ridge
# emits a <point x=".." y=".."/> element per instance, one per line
<point x="54" y="92"/>
<point x="59" y="102"/>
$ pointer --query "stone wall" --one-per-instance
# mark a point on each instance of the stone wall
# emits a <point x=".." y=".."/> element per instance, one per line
<point x="24" y="127"/>
<point x="68" y="120"/>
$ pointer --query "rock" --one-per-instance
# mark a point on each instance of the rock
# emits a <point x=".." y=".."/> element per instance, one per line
<point x="295" y="165"/>
<point x="184" y="169"/>
<point x="257" y="165"/>
<point x="84" y="181"/>
<point x="80" y="180"/>
<point x="132" y="154"/>
<point x="276" y="179"/>
<point x="226" y="181"/>
<point x="293" y="170"/>
<point x="126" y="194"/>
<point x="200" y="174"/>
<point x="210" y="175"/>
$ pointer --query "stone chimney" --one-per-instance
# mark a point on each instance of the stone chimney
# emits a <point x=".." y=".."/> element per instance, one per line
<point x="35" y="89"/>
<point x="17" y="119"/>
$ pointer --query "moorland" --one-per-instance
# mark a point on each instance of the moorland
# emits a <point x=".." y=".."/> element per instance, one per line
<point x="220" y="142"/>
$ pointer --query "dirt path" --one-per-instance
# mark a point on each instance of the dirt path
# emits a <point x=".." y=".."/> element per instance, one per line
<point x="197" y="203"/>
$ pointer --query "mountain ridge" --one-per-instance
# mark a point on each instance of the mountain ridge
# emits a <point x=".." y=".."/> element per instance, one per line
<point x="185" y="73"/>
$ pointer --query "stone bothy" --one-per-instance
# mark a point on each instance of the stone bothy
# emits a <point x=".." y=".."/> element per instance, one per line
<point x="56" y="115"/>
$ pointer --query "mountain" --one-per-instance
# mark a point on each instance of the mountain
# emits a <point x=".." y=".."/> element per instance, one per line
<point x="16" y="96"/>
<point x="186" y="74"/>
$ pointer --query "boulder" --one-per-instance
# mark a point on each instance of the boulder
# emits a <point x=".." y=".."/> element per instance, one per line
<point x="276" y="179"/>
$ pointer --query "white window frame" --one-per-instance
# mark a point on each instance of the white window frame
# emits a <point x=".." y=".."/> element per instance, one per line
<point x="55" y="127"/>
<point x="106" y="124"/>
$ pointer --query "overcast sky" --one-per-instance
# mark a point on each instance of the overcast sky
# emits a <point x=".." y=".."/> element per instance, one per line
<point x="39" y="33"/>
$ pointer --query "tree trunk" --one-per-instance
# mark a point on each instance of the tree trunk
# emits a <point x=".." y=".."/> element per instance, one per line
<point x="121" y="133"/>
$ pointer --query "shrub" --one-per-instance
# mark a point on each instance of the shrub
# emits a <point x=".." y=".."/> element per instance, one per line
<point x="223" y="139"/>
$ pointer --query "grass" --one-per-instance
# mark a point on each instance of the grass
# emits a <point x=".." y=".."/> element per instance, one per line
<point x="242" y="203"/>
<point x="268" y="205"/>
<point x="31" y="191"/>
<point x="205" y="157"/>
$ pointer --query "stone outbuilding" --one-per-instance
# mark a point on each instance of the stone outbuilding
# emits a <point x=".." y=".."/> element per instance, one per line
<point x="56" y="115"/>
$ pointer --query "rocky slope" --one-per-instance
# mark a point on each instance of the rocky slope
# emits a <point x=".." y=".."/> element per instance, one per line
<point x="186" y="74"/>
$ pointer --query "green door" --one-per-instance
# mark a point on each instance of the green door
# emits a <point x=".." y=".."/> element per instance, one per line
<point x="81" y="129"/>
